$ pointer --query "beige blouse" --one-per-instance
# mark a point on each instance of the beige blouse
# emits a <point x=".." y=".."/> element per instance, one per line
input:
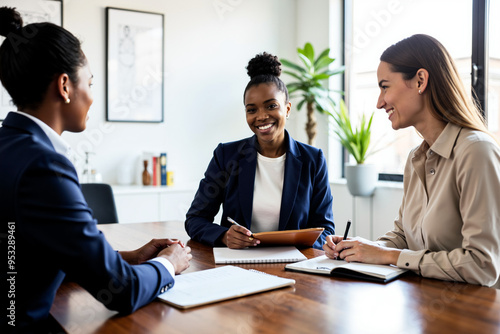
<point x="449" y="220"/>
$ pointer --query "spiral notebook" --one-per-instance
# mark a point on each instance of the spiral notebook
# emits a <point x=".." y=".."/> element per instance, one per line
<point x="218" y="284"/>
<point x="224" y="255"/>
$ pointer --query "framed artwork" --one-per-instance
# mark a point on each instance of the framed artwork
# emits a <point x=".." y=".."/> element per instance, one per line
<point x="32" y="11"/>
<point x="134" y="66"/>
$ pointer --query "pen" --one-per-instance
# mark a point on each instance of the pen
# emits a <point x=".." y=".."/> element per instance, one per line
<point x="232" y="221"/>
<point x="348" y="226"/>
<point x="347" y="229"/>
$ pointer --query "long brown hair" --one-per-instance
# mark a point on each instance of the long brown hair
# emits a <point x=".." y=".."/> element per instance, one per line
<point x="448" y="97"/>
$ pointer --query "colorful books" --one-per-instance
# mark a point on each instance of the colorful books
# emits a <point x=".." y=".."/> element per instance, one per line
<point x="159" y="169"/>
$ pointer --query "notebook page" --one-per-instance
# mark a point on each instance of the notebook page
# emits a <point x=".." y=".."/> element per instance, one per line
<point x="211" y="285"/>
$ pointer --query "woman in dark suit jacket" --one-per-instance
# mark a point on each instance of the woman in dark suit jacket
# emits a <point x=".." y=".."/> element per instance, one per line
<point x="265" y="182"/>
<point x="43" y="213"/>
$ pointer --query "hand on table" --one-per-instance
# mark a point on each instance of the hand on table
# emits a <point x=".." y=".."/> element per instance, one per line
<point x="148" y="251"/>
<point x="179" y="255"/>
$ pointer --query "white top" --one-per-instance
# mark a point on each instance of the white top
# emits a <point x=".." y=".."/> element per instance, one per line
<point x="267" y="193"/>
<point x="64" y="149"/>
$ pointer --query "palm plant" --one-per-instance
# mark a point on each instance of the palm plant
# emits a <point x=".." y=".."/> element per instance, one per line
<point x="355" y="141"/>
<point x="310" y="84"/>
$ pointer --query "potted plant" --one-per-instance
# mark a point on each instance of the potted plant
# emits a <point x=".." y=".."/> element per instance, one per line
<point x="361" y="178"/>
<point x="311" y="84"/>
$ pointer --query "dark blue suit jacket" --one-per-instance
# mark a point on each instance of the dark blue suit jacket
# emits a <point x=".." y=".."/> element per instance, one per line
<point x="54" y="234"/>
<point x="229" y="180"/>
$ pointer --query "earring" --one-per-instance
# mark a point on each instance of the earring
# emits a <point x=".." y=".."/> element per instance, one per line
<point x="287" y="116"/>
<point x="419" y="92"/>
<point x="67" y="101"/>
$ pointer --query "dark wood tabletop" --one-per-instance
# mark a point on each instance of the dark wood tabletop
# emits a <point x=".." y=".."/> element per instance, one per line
<point x="315" y="304"/>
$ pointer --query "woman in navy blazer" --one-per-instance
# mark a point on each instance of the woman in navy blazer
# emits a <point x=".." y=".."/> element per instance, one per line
<point x="47" y="228"/>
<point x="242" y="174"/>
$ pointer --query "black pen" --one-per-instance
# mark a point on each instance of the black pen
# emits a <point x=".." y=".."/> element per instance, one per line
<point x="347" y="229"/>
<point x="348" y="226"/>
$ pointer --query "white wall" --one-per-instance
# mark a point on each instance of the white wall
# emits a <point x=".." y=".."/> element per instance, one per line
<point x="371" y="216"/>
<point x="207" y="46"/>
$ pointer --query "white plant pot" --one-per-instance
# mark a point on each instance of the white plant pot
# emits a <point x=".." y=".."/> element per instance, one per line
<point x="361" y="179"/>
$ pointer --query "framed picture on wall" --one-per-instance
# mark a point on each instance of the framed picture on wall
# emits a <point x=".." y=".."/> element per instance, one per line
<point x="134" y="66"/>
<point x="32" y="11"/>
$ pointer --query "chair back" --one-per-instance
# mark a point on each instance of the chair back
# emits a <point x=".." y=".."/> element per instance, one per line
<point x="100" y="199"/>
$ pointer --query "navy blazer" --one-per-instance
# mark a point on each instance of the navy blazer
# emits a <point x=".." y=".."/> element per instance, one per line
<point x="46" y="218"/>
<point x="229" y="180"/>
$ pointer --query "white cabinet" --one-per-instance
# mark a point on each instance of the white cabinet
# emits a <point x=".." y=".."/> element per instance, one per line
<point x="137" y="204"/>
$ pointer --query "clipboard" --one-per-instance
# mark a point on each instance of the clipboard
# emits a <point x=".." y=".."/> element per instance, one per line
<point x="299" y="238"/>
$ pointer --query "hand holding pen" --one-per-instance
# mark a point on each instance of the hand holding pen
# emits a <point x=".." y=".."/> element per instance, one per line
<point x="239" y="236"/>
<point x="332" y="241"/>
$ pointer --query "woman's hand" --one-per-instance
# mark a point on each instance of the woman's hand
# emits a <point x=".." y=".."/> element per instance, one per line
<point x="330" y="246"/>
<point x="148" y="251"/>
<point x="359" y="250"/>
<point x="239" y="237"/>
<point x="179" y="255"/>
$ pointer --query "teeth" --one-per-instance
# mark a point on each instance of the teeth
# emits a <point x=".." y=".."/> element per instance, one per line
<point x="390" y="112"/>
<point x="265" y="127"/>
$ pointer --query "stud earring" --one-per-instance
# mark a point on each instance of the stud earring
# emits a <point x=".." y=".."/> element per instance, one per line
<point x="419" y="92"/>
<point x="67" y="101"/>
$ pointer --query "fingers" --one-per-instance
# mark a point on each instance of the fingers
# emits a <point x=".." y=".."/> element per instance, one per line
<point x="177" y="255"/>
<point x="240" y="237"/>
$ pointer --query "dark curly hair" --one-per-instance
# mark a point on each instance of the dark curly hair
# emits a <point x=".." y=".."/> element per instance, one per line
<point x="265" y="68"/>
<point x="33" y="55"/>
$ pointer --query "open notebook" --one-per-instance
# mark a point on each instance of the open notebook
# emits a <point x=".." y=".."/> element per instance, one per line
<point x="218" y="284"/>
<point x="224" y="255"/>
<point x="324" y="265"/>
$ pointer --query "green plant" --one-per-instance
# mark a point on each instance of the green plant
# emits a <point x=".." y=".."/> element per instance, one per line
<point x="311" y="84"/>
<point x="355" y="141"/>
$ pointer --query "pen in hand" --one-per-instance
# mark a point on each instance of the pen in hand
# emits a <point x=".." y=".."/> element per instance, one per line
<point x="232" y="221"/>
<point x="347" y="229"/>
<point x="348" y="226"/>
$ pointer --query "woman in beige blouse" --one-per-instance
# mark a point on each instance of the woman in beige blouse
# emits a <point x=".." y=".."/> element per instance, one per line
<point x="449" y="220"/>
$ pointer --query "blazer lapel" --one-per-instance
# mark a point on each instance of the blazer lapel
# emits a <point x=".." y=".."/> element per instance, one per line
<point x="293" y="169"/>
<point x="246" y="180"/>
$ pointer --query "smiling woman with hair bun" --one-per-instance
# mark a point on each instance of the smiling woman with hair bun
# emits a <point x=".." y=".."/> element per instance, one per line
<point x="267" y="182"/>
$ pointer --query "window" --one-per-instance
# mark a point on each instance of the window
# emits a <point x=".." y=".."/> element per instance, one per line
<point x="372" y="26"/>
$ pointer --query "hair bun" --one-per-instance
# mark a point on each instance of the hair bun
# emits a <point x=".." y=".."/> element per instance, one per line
<point x="264" y="64"/>
<point x="10" y="21"/>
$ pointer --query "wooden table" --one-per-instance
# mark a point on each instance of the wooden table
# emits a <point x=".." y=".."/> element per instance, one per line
<point x="316" y="304"/>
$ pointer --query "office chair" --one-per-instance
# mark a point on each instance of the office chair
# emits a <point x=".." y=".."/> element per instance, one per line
<point x="99" y="197"/>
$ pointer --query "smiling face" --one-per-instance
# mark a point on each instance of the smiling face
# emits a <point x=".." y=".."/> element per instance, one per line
<point x="400" y="98"/>
<point x="81" y="100"/>
<point x="266" y="111"/>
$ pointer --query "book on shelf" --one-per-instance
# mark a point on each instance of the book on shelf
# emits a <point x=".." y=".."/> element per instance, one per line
<point x="224" y="255"/>
<point x="218" y="284"/>
<point x="155" y="171"/>
<point x="326" y="266"/>
<point x="163" y="169"/>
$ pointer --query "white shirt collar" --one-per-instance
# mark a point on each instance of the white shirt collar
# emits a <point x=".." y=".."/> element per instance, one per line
<point x="59" y="144"/>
